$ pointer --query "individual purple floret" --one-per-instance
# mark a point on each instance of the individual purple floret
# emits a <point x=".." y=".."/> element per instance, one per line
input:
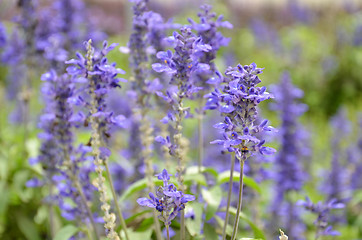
<point x="237" y="102"/>
<point x="168" y="200"/>
<point x="322" y="210"/>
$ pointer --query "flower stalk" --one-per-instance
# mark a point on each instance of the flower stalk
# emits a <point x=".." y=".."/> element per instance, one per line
<point x="229" y="195"/>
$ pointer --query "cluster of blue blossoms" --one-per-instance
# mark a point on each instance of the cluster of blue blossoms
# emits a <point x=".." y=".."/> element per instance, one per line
<point x="237" y="101"/>
<point x="168" y="201"/>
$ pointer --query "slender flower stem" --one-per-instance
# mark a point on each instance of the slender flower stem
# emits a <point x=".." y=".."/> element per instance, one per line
<point x="180" y="159"/>
<point x="147" y="139"/>
<point x="89" y="212"/>
<point x="200" y="142"/>
<point x="74" y="179"/>
<point x="109" y="217"/>
<point x="116" y="203"/>
<point x="51" y="214"/>
<point x="168" y="232"/>
<point x="236" y="224"/>
<point x="229" y="195"/>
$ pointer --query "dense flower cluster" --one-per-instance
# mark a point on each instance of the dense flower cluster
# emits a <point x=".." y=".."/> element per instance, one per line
<point x="66" y="168"/>
<point x="207" y="29"/>
<point x="237" y="101"/>
<point x="168" y="200"/>
<point x="322" y="210"/>
<point x="183" y="65"/>
<point x="99" y="77"/>
<point x="103" y="77"/>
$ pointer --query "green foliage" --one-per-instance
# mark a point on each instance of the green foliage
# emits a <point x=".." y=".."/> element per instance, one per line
<point x="66" y="232"/>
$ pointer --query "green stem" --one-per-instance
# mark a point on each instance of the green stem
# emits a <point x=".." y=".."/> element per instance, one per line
<point x="116" y="203"/>
<point x="157" y="225"/>
<point x="201" y="146"/>
<point x="236" y="224"/>
<point x="89" y="212"/>
<point x="168" y="232"/>
<point x="182" y="233"/>
<point x="229" y="195"/>
<point x="51" y="214"/>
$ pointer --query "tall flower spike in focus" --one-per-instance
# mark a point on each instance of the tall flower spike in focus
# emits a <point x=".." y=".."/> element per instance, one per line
<point x="182" y="65"/>
<point x="237" y="99"/>
<point x="99" y="77"/>
<point x="168" y="201"/>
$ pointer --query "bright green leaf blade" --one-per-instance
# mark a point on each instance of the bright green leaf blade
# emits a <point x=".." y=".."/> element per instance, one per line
<point x="133" y="217"/>
<point x="194" y="226"/>
<point x="66" y="232"/>
<point x="195" y="169"/>
<point x="250" y="239"/>
<point x="210" y="232"/>
<point x="198" y="178"/>
<point x="27" y="227"/>
<point x="229" y="228"/>
<point x="224" y="177"/>
<point x="136" y="187"/>
<point x="213" y="199"/>
<point x="139" y="235"/>
<point x="258" y="233"/>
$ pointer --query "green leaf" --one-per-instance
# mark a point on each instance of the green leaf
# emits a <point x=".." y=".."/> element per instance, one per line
<point x="213" y="199"/>
<point x="66" y="232"/>
<point x="28" y="228"/>
<point x="250" y="239"/>
<point x="224" y="177"/>
<point x="146" y="224"/>
<point x="136" y="187"/>
<point x="195" y="169"/>
<point x="258" y="233"/>
<point x="210" y="232"/>
<point x="139" y="235"/>
<point x="194" y="226"/>
<point x="198" y="177"/>
<point x="229" y="228"/>
<point x="133" y="217"/>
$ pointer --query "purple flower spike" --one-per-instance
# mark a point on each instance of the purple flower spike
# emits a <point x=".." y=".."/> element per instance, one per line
<point x="239" y="108"/>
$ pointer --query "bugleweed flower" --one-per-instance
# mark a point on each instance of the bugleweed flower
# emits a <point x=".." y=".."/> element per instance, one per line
<point x="237" y="101"/>
<point x="168" y="200"/>
<point x="182" y="66"/>
<point x="64" y="167"/>
<point x="288" y="174"/>
<point x="322" y="210"/>
<point x="99" y="76"/>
